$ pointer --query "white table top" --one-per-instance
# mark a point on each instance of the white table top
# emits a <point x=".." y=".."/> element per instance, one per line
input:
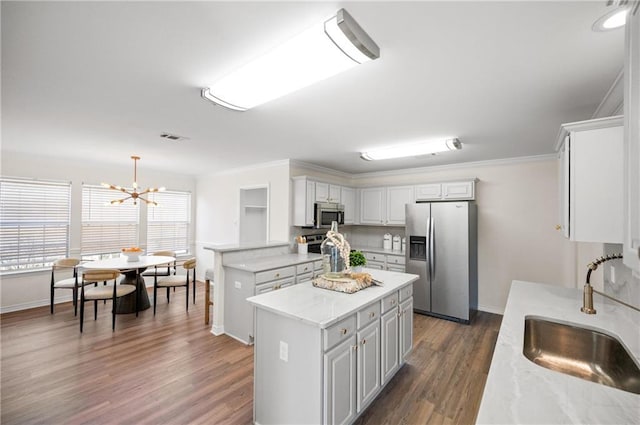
<point x="121" y="263"/>
<point x="520" y="392"/>
<point x="322" y="307"/>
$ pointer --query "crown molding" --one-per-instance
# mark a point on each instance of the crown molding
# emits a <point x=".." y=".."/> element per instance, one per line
<point x="320" y="169"/>
<point x="436" y="168"/>
<point x="251" y="167"/>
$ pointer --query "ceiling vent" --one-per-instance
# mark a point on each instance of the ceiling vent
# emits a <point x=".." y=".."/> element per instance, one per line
<point x="173" y="137"/>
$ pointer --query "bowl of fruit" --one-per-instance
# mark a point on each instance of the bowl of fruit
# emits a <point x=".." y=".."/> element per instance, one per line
<point x="132" y="254"/>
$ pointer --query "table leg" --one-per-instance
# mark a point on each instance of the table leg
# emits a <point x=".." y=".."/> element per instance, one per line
<point x="126" y="304"/>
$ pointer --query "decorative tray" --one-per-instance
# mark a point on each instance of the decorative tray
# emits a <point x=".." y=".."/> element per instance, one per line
<point x="349" y="284"/>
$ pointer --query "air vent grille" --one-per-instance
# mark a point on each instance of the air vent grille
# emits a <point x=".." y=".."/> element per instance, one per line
<point x="172" y="137"/>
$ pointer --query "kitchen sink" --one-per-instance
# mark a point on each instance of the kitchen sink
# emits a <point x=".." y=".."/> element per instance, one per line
<point x="584" y="353"/>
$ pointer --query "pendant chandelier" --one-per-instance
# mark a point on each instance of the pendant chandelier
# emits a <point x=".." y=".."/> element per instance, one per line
<point x="133" y="193"/>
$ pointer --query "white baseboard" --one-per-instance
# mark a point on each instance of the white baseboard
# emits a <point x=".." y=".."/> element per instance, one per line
<point x="217" y="330"/>
<point x="491" y="309"/>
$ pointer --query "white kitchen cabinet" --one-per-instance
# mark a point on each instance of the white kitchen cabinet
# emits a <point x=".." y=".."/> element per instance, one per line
<point x="428" y="192"/>
<point x="326" y="192"/>
<point x="373" y="205"/>
<point x="348" y="199"/>
<point x="389" y="342"/>
<point x="397" y="198"/>
<point x="446" y="191"/>
<point x="631" y="145"/>
<point x="368" y="365"/>
<point x="340" y="383"/>
<point x="591" y="195"/>
<point x="406" y="328"/>
<point x="375" y="260"/>
<point x="304" y="198"/>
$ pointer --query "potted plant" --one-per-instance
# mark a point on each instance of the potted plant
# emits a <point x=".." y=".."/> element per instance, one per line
<point x="357" y="260"/>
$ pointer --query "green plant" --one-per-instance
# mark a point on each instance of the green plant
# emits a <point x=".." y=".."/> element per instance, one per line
<point x="357" y="258"/>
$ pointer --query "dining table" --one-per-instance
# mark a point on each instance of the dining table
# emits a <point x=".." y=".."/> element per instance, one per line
<point x="132" y="275"/>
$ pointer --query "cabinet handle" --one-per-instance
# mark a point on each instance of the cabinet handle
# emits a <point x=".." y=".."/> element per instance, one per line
<point x="372" y="315"/>
<point x="343" y="331"/>
<point x="364" y="341"/>
<point x="355" y="347"/>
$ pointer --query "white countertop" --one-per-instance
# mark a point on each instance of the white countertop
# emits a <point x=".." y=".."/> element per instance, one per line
<point x="244" y="246"/>
<point x="520" y="392"/>
<point x="323" y="307"/>
<point x="274" y="262"/>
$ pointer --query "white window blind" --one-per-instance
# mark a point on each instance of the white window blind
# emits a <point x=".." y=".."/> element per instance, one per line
<point x="34" y="221"/>
<point x="168" y="223"/>
<point x="107" y="228"/>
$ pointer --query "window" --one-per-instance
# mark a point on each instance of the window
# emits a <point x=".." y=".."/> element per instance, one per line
<point x="106" y="228"/>
<point x="34" y="220"/>
<point x="168" y="223"/>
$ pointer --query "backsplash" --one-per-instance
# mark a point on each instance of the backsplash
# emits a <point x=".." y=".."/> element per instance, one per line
<point x="371" y="236"/>
<point x="626" y="286"/>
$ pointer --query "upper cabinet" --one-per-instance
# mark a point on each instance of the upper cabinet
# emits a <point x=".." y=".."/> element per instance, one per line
<point x="385" y="205"/>
<point x="591" y="177"/>
<point x="326" y="192"/>
<point x="447" y="191"/>
<point x="348" y="199"/>
<point x="631" y="210"/>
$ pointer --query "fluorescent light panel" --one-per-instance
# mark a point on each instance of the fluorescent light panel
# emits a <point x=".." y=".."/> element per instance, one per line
<point x="316" y="54"/>
<point x="414" y="149"/>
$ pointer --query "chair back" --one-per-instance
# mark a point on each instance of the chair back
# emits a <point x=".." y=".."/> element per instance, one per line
<point x="165" y="253"/>
<point x="189" y="264"/>
<point x="100" y="275"/>
<point x="66" y="262"/>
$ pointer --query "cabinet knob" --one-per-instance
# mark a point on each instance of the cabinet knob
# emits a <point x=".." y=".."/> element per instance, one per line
<point x="277" y="274"/>
<point x="343" y="331"/>
<point x="393" y="302"/>
<point x="558" y="227"/>
<point x="355" y="347"/>
<point x="364" y="341"/>
<point x="372" y="315"/>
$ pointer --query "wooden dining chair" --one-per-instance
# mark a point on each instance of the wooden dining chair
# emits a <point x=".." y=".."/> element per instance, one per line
<point x="176" y="281"/>
<point x="57" y="282"/>
<point x="103" y="292"/>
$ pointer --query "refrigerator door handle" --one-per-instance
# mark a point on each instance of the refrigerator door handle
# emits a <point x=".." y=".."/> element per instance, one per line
<point x="432" y="248"/>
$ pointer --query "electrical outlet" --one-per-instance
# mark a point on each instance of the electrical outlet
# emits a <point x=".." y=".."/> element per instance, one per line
<point x="237" y="284"/>
<point x="284" y="351"/>
<point x="612" y="273"/>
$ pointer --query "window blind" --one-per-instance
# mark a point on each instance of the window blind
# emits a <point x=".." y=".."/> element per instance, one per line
<point x="34" y="221"/>
<point x="107" y="228"/>
<point x="168" y="223"/>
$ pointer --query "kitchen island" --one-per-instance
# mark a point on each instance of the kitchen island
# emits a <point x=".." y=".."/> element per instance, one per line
<point x="519" y="391"/>
<point x="323" y="356"/>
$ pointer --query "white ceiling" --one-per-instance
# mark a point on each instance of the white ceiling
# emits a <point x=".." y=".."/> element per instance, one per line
<point x="103" y="79"/>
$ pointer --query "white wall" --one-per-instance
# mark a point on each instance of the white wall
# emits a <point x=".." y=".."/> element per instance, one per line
<point x="31" y="289"/>
<point x="218" y="204"/>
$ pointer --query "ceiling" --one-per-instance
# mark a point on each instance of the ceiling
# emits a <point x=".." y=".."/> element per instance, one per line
<point x="105" y="79"/>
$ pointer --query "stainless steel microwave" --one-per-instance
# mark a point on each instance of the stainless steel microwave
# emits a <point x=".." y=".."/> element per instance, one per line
<point x="325" y="213"/>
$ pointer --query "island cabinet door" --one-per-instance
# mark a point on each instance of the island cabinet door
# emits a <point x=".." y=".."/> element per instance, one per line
<point x="406" y="328"/>
<point x="390" y="344"/>
<point x="340" y="383"/>
<point x="368" y="364"/>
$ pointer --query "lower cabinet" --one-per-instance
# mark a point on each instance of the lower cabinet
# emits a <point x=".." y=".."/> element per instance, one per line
<point x="368" y="366"/>
<point x="390" y="344"/>
<point x="340" y="383"/>
<point x="406" y="328"/>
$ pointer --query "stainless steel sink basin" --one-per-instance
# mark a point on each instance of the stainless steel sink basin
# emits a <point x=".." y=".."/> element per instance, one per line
<point x="584" y="353"/>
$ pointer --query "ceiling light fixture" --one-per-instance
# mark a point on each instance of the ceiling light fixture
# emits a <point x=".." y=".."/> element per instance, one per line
<point x="133" y="193"/>
<point x="318" y="53"/>
<point x="614" y="18"/>
<point x="414" y="149"/>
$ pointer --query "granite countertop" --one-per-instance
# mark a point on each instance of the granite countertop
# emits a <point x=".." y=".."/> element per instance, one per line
<point x="244" y="246"/>
<point x="378" y="250"/>
<point x="519" y="391"/>
<point x="322" y="307"/>
<point x="273" y="262"/>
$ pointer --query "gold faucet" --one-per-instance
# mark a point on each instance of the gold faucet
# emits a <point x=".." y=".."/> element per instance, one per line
<point x="587" y="295"/>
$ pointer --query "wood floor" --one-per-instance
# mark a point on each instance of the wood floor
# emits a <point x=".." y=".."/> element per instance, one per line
<point x="169" y="369"/>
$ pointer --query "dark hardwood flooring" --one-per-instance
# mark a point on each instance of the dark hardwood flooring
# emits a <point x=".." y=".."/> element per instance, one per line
<point x="169" y="369"/>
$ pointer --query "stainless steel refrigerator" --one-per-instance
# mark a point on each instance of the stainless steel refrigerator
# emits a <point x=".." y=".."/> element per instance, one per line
<point x="442" y="249"/>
